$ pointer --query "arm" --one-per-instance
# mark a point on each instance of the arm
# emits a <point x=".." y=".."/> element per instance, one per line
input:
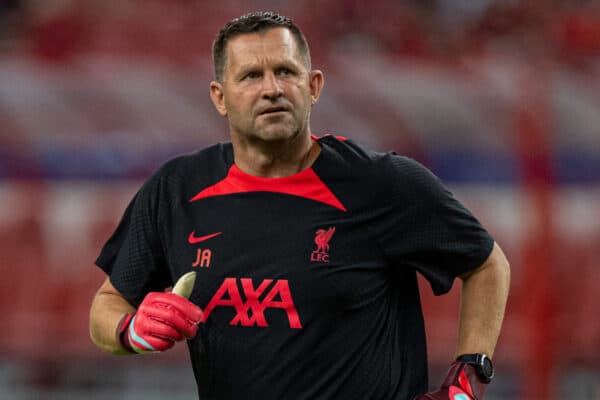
<point x="108" y="307"/>
<point x="483" y="300"/>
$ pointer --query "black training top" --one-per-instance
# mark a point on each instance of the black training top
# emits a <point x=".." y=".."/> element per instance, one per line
<point x="307" y="282"/>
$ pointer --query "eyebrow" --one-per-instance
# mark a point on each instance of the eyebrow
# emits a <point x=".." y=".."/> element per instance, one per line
<point x="287" y="64"/>
<point x="247" y="67"/>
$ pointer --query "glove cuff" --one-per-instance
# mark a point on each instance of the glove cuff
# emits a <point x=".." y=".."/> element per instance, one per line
<point x="122" y="329"/>
<point x="465" y="377"/>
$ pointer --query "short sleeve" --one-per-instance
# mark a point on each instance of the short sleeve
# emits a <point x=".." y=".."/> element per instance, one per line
<point x="133" y="257"/>
<point x="426" y="228"/>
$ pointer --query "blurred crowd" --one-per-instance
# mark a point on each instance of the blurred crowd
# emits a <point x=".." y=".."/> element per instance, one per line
<point x="180" y="31"/>
<point x="92" y="89"/>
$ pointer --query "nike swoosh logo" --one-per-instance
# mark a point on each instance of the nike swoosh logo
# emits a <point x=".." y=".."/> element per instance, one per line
<point x="193" y="239"/>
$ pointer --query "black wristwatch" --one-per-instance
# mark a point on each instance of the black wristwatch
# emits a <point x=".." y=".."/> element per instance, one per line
<point x="482" y="364"/>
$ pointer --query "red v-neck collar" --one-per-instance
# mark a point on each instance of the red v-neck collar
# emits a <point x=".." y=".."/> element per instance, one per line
<point x="305" y="183"/>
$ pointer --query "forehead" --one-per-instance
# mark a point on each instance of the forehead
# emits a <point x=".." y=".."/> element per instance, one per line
<point x="277" y="44"/>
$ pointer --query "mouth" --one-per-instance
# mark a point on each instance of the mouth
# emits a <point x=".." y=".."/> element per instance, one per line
<point x="273" y="110"/>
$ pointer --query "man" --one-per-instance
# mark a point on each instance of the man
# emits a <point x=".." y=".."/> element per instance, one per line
<point x="306" y="249"/>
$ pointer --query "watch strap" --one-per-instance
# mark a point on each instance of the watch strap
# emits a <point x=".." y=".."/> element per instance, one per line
<point x="470" y="358"/>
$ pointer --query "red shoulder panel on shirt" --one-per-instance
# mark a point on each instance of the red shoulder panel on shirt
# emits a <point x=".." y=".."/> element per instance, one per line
<point x="338" y="137"/>
<point x="305" y="184"/>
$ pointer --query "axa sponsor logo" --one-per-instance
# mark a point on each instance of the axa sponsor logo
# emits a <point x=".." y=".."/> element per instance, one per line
<point x="250" y="301"/>
<point x="203" y="256"/>
<point x="322" y="238"/>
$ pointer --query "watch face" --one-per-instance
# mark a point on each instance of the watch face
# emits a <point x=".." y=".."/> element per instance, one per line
<point x="487" y="368"/>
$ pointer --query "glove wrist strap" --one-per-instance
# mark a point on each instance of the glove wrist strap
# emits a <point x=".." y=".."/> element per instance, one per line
<point x="121" y="333"/>
<point x="464" y="376"/>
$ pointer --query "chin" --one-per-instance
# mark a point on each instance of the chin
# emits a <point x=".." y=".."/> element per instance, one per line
<point x="276" y="134"/>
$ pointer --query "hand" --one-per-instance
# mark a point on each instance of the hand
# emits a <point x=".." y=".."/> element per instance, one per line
<point x="461" y="383"/>
<point x="161" y="320"/>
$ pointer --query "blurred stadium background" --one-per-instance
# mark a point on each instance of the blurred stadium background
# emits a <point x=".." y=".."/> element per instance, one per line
<point x="501" y="99"/>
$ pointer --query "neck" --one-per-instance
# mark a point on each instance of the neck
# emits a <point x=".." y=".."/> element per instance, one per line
<point x="274" y="159"/>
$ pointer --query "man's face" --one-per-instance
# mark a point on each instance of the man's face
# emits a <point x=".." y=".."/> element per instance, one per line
<point x="267" y="90"/>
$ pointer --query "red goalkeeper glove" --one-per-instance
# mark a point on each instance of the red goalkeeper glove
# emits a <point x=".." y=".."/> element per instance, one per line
<point x="461" y="383"/>
<point x="161" y="320"/>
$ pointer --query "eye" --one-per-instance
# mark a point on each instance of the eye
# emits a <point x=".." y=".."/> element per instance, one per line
<point x="251" y="75"/>
<point x="284" y="71"/>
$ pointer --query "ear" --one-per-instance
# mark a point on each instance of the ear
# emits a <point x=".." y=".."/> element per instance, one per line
<point x="316" y="82"/>
<point x="218" y="97"/>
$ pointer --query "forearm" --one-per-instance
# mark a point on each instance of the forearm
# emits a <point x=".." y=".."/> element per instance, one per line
<point x="106" y="311"/>
<point x="483" y="301"/>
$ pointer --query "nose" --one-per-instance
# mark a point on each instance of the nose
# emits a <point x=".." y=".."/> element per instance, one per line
<point x="271" y="86"/>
